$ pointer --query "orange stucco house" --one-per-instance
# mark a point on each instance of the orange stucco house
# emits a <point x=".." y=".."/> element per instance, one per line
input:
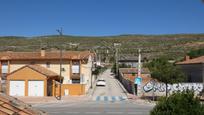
<point x="38" y="73"/>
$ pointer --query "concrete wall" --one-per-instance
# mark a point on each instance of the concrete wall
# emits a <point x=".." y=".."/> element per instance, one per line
<point x="68" y="89"/>
<point x="150" y="87"/>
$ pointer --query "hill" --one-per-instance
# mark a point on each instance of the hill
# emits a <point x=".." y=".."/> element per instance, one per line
<point x="174" y="46"/>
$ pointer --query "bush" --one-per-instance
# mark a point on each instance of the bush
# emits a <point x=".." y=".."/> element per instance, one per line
<point x="98" y="70"/>
<point x="180" y="103"/>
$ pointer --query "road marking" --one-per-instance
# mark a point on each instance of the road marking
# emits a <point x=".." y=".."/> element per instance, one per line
<point x="105" y="98"/>
<point x="120" y="98"/>
<point x="98" y="98"/>
<point x="109" y="98"/>
<point x="113" y="98"/>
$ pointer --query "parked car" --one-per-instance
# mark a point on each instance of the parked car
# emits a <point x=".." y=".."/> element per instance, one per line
<point x="101" y="82"/>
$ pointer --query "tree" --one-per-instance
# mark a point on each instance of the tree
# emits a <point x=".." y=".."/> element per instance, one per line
<point x="97" y="71"/>
<point x="196" y="53"/>
<point x="179" y="103"/>
<point x="165" y="72"/>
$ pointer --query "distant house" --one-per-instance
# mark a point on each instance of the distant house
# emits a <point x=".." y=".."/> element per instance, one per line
<point x="193" y="68"/>
<point x="37" y="73"/>
<point x="130" y="61"/>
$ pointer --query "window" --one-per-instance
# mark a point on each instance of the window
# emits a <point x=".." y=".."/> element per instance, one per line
<point x="4" y="71"/>
<point x="75" y="67"/>
<point x="48" y="64"/>
<point x="32" y="62"/>
<point x="4" y="68"/>
<point x="3" y="76"/>
<point x="75" y="81"/>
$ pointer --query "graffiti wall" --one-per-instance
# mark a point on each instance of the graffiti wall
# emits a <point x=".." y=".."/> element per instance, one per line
<point x="159" y="89"/>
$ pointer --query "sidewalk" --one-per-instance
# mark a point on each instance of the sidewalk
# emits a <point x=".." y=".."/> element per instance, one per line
<point x="133" y="98"/>
<point x="64" y="99"/>
<point x="136" y="99"/>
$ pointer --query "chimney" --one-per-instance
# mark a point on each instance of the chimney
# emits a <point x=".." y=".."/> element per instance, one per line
<point x="187" y="58"/>
<point x="42" y="52"/>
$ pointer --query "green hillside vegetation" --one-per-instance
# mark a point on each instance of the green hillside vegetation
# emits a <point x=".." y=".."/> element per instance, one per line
<point x="196" y="53"/>
<point x="173" y="46"/>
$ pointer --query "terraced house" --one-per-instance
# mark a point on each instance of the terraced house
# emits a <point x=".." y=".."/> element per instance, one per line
<point x="38" y="73"/>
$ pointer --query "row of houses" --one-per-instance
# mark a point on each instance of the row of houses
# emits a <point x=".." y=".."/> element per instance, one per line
<point x="192" y="68"/>
<point x="40" y="73"/>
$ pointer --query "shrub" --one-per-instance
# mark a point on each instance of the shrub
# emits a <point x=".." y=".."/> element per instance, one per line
<point x="180" y="103"/>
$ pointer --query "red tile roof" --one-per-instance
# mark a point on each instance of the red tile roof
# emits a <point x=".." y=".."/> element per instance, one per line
<point x="193" y="61"/>
<point x="130" y="77"/>
<point x="43" y="70"/>
<point x="13" y="106"/>
<point x="48" y="73"/>
<point x="48" y="55"/>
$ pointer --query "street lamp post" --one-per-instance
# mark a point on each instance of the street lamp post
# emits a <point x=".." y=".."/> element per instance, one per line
<point x="116" y="57"/>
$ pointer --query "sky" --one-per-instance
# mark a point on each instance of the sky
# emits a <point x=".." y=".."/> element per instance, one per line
<point x="100" y="17"/>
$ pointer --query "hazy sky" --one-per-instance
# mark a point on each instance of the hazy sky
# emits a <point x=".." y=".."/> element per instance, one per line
<point x="100" y="17"/>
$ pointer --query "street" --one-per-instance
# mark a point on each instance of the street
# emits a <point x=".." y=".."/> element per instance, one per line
<point x="108" y="100"/>
<point x="113" y="91"/>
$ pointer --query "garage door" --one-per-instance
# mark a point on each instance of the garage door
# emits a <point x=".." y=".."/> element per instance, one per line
<point x="35" y="88"/>
<point x="17" y="88"/>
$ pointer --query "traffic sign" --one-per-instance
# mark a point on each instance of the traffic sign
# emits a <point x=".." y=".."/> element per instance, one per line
<point x="138" y="80"/>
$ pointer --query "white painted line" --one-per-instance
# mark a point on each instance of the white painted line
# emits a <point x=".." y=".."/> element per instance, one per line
<point x="109" y="98"/>
<point x="102" y="98"/>
<point x="117" y="98"/>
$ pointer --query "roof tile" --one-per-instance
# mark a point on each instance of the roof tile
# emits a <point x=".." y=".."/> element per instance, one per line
<point x="43" y="70"/>
<point x="48" y="55"/>
<point x="193" y="61"/>
<point x="10" y="106"/>
<point x="48" y="73"/>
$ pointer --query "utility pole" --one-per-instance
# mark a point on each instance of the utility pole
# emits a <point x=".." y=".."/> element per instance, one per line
<point x="116" y="61"/>
<point x="116" y="58"/>
<point x="60" y="88"/>
<point x="137" y="82"/>
<point x="139" y="63"/>
<point x="139" y="73"/>
<point x="92" y="64"/>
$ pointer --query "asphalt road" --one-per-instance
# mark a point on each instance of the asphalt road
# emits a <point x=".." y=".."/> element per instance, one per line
<point x="108" y="100"/>
<point x="112" y="88"/>
<point x="96" y="108"/>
